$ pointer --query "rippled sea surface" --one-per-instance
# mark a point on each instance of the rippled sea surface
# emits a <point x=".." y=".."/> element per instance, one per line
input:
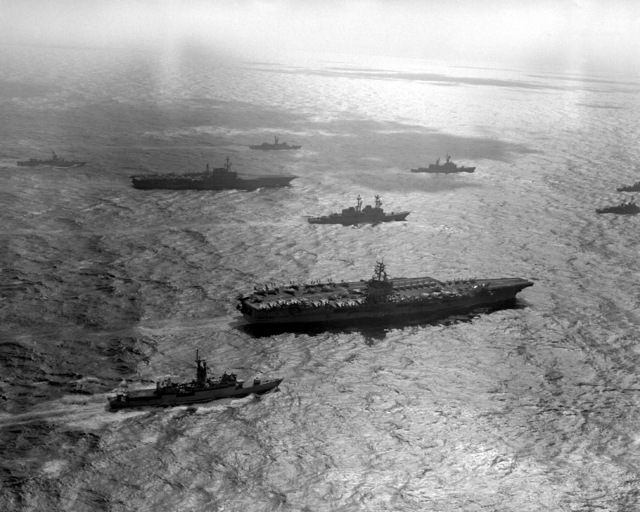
<point x="527" y="409"/>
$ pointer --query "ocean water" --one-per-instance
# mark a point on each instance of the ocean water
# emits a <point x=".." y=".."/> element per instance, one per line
<point x="527" y="409"/>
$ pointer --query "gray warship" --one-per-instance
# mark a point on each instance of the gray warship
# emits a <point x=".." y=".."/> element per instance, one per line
<point x="359" y="215"/>
<point x="446" y="168"/>
<point x="54" y="161"/>
<point x="219" y="178"/>
<point x="624" y="208"/>
<point x="203" y="389"/>
<point x="630" y="188"/>
<point x="265" y="146"/>
<point x="378" y="298"/>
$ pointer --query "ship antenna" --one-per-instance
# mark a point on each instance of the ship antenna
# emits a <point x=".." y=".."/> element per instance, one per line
<point x="380" y="272"/>
<point x="359" y="205"/>
<point x="227" y="164"/>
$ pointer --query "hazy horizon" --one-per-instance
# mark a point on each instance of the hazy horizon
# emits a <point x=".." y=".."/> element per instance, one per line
<point x="576" y="36"/>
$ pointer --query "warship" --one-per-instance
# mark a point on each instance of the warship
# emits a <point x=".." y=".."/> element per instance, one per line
<point x="445" y="168"/>
<point x="54" y="161"/>
<point x="275" y="146"/>
<point x="624" y="208"/>
<point x="359" y="215"/>
<point x="219" y="178"/>
<point x="203" y="389"/>
<point x="379" y="298"/>
<point x="630" y="188"/>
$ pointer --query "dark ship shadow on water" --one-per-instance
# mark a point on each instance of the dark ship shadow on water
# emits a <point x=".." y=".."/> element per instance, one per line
<point x="371" y="330"/>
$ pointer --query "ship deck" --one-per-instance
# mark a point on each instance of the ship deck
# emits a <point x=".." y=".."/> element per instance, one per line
<point x="354" y="293"/>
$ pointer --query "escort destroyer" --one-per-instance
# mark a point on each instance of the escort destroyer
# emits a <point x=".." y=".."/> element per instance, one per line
<point x="359" y="215"/>
<point x="624" y="208"/>
<point x="203" y="389"/>
<point x="265" y="146"/>
<point x="54" y="161"/>
<point x="630" y="188"/>
<point x="446" y="168"/>
<point x="219" y="178"/>
<point x="378" y="298"/>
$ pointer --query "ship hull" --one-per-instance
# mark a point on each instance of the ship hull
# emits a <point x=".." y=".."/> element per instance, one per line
<point x="443" y="171"/>
<point x="167" y="183"/>
<point x="274" y="148"/>
<point x="144" y="398"/>
<point x="620" y="210"/>
<point x="495" y="292"/>
<point x="39" y="163"/>
<point x="630" y="188"/>
<point x="363" y="219"/>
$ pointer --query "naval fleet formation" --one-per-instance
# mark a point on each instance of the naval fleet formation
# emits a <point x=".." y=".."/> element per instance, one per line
<point x="377" y="299"/>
